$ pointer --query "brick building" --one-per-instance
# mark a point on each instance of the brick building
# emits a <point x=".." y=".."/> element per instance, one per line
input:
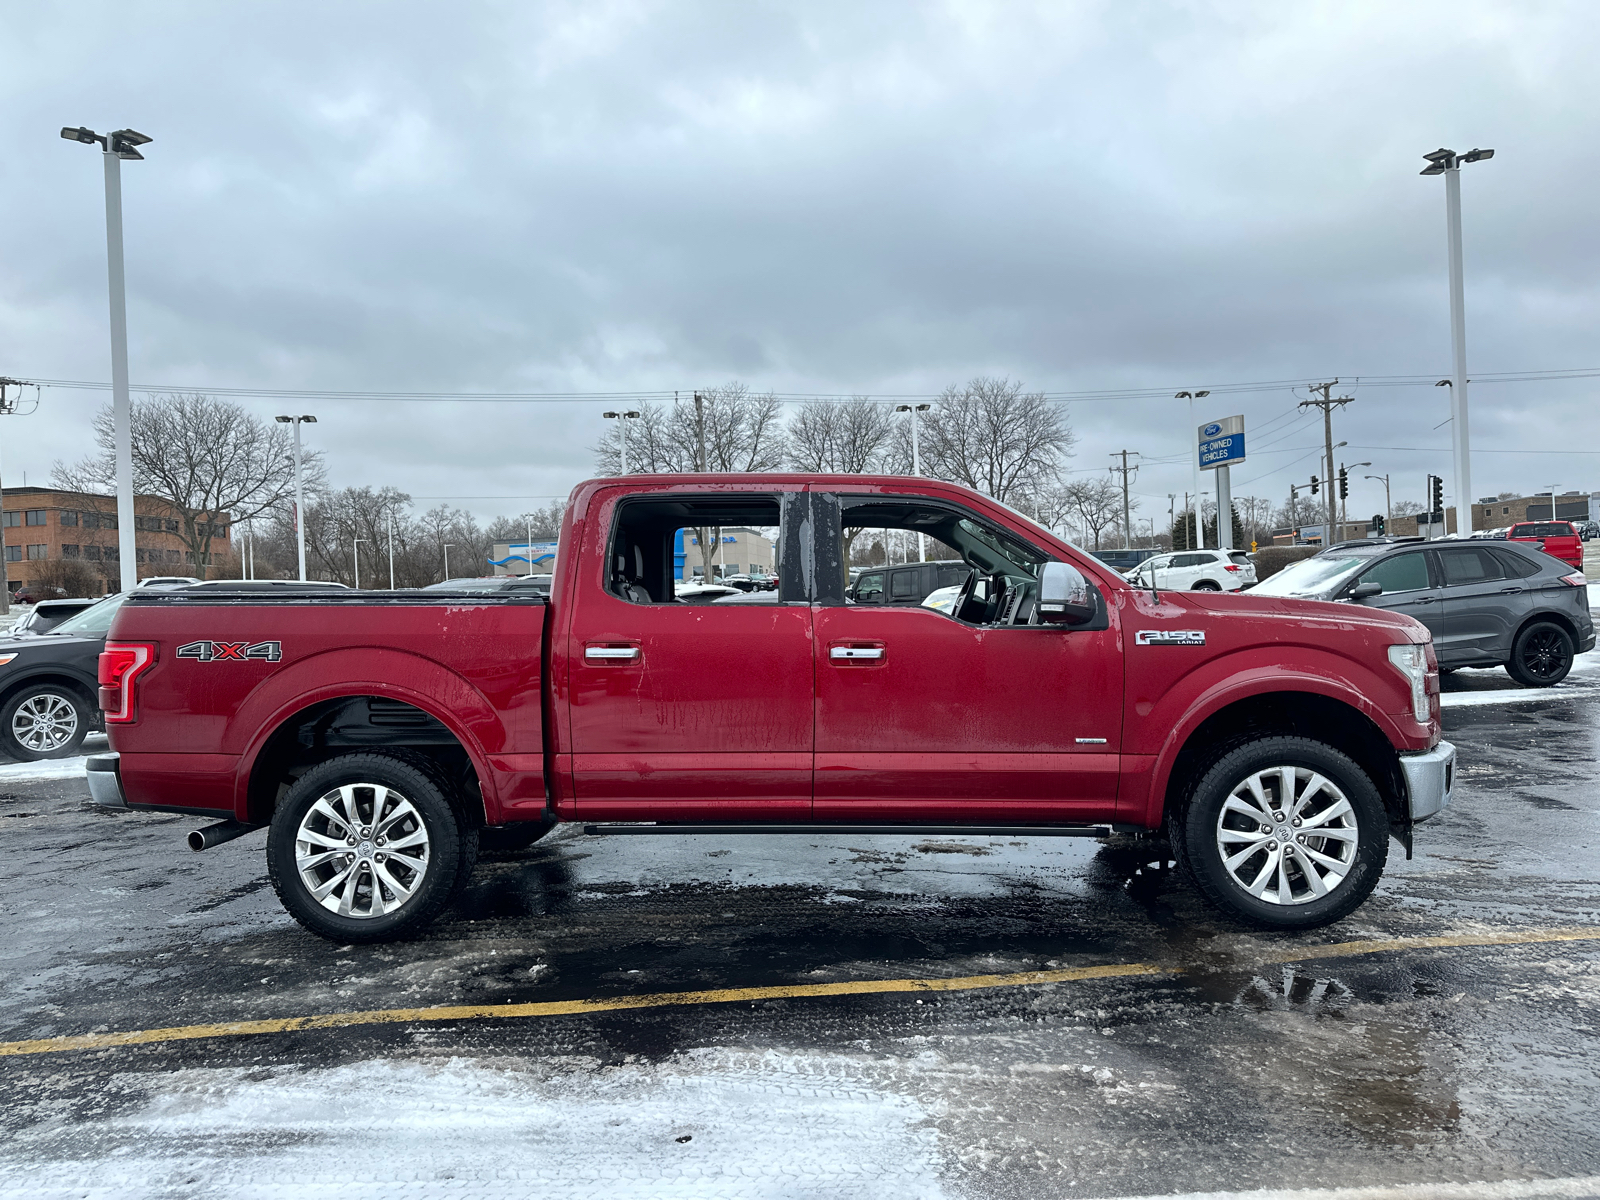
<point x="1509" y="510"/>
<point x="46" y="525"/>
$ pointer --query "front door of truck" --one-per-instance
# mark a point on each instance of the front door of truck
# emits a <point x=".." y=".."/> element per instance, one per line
<point x="688" y="711"/>
<point x="973" y="717"/>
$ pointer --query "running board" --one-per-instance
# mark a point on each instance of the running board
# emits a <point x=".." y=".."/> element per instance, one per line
<point x="1091" y="831"/>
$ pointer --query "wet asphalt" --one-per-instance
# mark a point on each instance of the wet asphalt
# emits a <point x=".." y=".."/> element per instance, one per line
<point x="1233" y="1071"/>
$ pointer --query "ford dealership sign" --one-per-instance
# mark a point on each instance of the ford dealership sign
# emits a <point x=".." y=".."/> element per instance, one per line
<point x="1221" y="443"/>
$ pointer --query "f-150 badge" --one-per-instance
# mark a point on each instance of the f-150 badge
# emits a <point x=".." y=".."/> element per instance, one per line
<point x="1171" y="637"/>
<point x="232" y="651"/>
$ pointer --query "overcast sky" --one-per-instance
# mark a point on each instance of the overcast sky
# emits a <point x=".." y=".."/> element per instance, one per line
<point x="811" y="198"/>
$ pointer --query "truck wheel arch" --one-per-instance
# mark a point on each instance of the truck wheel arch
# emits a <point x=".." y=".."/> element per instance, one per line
<point x="281" y="752"/>
<point x="1301" y="713"/>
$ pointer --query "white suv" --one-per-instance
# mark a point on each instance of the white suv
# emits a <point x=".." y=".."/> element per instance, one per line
<point x="1196" y="571"/>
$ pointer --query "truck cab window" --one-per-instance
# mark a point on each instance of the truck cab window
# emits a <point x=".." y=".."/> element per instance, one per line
<point x="676" y="549"/>
<point x="997" y="572"/>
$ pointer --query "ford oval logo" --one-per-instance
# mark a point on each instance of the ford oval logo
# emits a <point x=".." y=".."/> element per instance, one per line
<point x="1212" y="430"/>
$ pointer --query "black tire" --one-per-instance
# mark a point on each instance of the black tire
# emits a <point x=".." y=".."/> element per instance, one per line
<point x="508" y="839"/>
<point x="54" y="717"/>
<point x="447" y="857"/>
<point x="1197" y="830"/>
<point x="1205" y="585"/>
<point x="1540" y="657"/>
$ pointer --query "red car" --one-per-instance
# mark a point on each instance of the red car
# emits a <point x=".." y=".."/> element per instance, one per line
<point x="381" y="737"/>
<point x="1557" y="538"/>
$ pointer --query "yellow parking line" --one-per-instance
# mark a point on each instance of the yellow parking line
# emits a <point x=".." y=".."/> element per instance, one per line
<point x="795" y="991"/>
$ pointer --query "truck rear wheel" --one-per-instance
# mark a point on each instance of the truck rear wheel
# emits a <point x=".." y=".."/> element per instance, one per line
<point x="1285" y="833"/>
<point x="367" y="848"/>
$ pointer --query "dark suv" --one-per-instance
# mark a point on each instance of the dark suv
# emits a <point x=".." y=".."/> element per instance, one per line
<point x="1500" y="604"/>
<point x="909" y="583"/>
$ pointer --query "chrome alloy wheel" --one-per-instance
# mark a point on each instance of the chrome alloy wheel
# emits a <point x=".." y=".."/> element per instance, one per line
<point x="1287" y="835"/>
<point x="362" y="850"/>
<point x="44" y="723"/>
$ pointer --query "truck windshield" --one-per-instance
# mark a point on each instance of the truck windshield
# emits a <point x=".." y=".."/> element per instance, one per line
<point x="1311" y="576"/>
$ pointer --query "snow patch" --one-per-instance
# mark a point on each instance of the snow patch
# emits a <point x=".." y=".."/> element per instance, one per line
<point x="50" y="768"/>
<point x="711" y="1123"/>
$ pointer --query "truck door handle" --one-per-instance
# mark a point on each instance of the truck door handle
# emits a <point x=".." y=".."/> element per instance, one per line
<point x="855" y="652"/>
<point x="611" y="653"/>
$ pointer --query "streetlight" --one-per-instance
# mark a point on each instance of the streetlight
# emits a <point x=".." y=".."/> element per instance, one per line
<point x="299" y="497"/>
<point x="355" y="551"/>
<point x="1448" y="163"/>
<point x="391" y="549"/>
<point x="447" y="546"/>
<point x="1344" y="502"/>
<point x="916" y="461"/>
<point x="1388" y="508"/>
<point x="624" y="417"/>
<point x="1194" y="464"/>
<point x="115" y="147"/>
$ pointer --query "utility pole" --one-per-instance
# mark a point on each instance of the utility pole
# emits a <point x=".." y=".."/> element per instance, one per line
<point x="699" y="432"/>
<point x="1127" y="523"/>
<point x="8" y="405"/>
<point x="1327" y="404"/>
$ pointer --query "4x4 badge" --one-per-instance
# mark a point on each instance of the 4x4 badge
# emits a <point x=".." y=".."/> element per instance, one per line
<point x="232" y="651"/>
<point x="1171" y="637"/>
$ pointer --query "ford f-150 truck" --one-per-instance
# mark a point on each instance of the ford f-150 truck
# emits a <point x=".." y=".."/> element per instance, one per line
<point x="383" y="736"/>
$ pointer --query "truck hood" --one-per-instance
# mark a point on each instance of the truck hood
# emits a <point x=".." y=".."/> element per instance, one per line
<point x="1286" y="608"/>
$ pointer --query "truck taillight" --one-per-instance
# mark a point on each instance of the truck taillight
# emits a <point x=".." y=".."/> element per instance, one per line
<point x="121" y="663"/>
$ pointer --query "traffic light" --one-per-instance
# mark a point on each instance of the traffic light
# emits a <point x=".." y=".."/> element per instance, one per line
<point x="1344" y="485"/>
<point x="1314" y="485"/>
<point x="1377" y="524"/>
<point x="1436" y="494"/>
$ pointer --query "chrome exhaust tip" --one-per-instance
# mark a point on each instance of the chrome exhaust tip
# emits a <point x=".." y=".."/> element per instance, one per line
<point x="208" y="836"/>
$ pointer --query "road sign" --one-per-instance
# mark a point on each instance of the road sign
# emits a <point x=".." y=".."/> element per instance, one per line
<point x="1221" y="443"/>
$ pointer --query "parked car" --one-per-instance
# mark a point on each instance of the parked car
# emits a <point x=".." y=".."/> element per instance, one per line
<point x="31" y="593"/>
<point x="47" y="614"/>
<point x="258" y="585"/>
<point x="48" y="684"/>
<point x="168" y="581"/>
<point x="1123" y="561"/>
<point x="1557" y="538"/>
<point x="695" y="592"/>
<point x="1196" y="571"/>
<point x="1504" y="604"/>
<point x="907" y="583"/>
<point x="379" y="736"/>
<point x="1495" y="535"/>
<point x="943" y="600"/>
<point x="1589" y="530"/>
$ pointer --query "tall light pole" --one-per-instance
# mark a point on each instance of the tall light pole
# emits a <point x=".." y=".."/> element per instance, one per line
<point x="1344" y="501"/>
<point x="447" y="546"/>
<point x="299" y="491"/>
<point x="916" y="461"/>
<point x="528" y="517"/>
<point x="355" y="550"/>
<point x="1388" y="508"/>
<point x="624" y="417"/>
<point x="1448" y="163"/>
<point x="1193" y="437"/>
<point x="391" y="549"/>
<point x="116" y="146"/>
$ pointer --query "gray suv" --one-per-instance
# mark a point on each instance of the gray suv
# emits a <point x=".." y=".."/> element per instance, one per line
<point x="1487" y="604"/>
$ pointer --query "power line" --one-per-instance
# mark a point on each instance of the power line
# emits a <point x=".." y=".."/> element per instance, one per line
<point x="1065" y="396"/>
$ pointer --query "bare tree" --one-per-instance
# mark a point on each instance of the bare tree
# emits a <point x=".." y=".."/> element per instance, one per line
<point x="992" y="437"/>
<point x="210" y="459"/>
<point x="1095" y="503"/>
<point x="1409" y="508"/>
<point x="1304" y="509"/>
<point x="849" y="437"/>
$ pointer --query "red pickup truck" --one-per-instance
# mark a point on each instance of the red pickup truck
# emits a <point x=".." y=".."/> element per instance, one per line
<point x="382" y="737"/>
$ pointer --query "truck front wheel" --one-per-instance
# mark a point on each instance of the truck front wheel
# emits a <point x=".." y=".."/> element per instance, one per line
<point x="1285" y="832"/>
<point x="367" y="848"/>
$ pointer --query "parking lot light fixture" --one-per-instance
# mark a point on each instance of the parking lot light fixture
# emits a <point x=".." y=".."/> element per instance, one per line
<point x="299" y="492"/>
<point x="1447" y="162"/>
<point x="447" y="546"/>
<point x="116" y="146"/>
<point x="624" y="417"/>
<point x="1199" y="542"/>
<point x="916" y="461"/>
<point x="355" y="551"/>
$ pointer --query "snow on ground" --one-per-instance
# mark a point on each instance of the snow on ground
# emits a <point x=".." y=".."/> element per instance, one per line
<point x="709" y="1123"/>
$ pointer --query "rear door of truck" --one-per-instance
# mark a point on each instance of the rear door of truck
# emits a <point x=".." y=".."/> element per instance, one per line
<point x="677" y="711"/>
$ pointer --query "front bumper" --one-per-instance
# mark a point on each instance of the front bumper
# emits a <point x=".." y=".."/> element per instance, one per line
<point x="105" y="780"/>
<point x="1430" y="777"/>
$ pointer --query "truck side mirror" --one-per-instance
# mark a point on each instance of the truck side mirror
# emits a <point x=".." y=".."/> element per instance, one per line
<point x="1362" y="590"/>
<point x="1064" y="596"/>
